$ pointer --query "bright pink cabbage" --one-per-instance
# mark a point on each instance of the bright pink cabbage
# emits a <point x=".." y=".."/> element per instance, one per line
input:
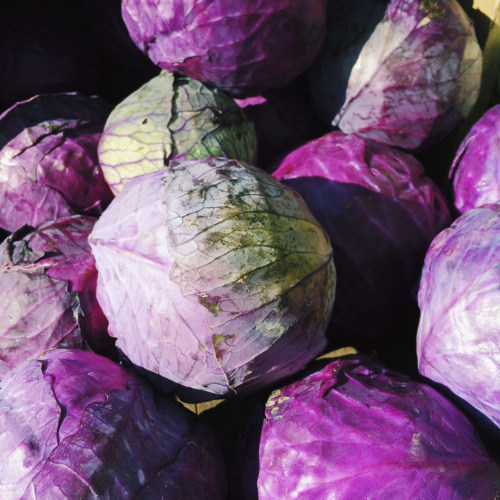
<point x="48" y="292"/>
<point x="79" y="425"/>
<point x="172" y="117"/>
<point x="458" y="338"/>
<point x="356" y="429"/>
<point x="243" y="48"/>
<point x="283" y="121"/>
<point x="381" y="212"/>
<point x="475" y="172"/>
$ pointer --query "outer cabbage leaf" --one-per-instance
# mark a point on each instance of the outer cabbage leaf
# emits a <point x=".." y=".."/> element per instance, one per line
<point x="77" y="425"/>
<point x="458" y="339"/>
<point x="381" y="212"/>
<point x="243" y="48"/>
<point x="172" y="117"/>
<point x="416" y="77"/>
<point x="475" y="171"/>
<point x="48" y="286"/>
<point x="48" y="159"/>
<point x="355" y="429"/>
<point x="214" y="276"/>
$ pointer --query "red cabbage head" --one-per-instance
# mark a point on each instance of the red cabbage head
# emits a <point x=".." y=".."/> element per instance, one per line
<point x="48" y="292"/>
<point x="172" y="117"/>
<point x="49" y="166"/>
<point x="406" y="78"/>
<point x="458" y="337"/>
<point x="243" y="48"/>
<point x="79" y="425"/>
<point x="214" y="276"/>
<point x="475" y="171"/>
<point x="381" y="212"/>
<point x="356" y="429"/>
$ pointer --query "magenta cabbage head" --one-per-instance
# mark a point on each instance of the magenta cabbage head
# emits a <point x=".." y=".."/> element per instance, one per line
<point x="356" y="429"/>
<point x="416" y="76"/>
<point x="214" y="276"/>
<point x="79" y="425"/>
<point x="381" y="212"/>
<point x="48" y="292"/>
<point x="172" y="117"/>
<point x="458" y="338"/>
<point x="475" y="171"/>
<point x="244" y="48"/>
<point x="48" y="159"/>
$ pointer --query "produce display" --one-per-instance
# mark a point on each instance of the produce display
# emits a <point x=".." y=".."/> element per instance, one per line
<point x="249" y="250"/>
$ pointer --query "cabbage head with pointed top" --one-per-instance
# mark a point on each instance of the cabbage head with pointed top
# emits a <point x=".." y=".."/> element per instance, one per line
<point x="214" y="276"/>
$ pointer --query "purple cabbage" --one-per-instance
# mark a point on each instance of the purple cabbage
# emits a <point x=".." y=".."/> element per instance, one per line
<point x="48" y="159"/>
<point x="349" y="26"/>
<point x="381" y="212"/>
<point x="77" y="425"/>
<point x="214" y="276"/>
<point x="172" y="117"/>
<point x="243" y="48"/>
<point x="356" y="429"/>
<point x="475" y="171"/>
<point x="416" y="76"/>
<point x="48" y="292"/>
<point x="458" y="339"/>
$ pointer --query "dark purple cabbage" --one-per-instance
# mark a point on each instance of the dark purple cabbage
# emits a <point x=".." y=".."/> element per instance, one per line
<point x="243" y="48"/>
<point x="48" y="159"/>
<point x="77" y="425"/>
<point x="356" y="429"/>
<point x="381" y="212"/>
<point x="458" y="339"/>
<point x="415" y="77"/>
<point x="48" y="292"/>
<point x="283" y="121"/>
<point x="475" y="171"/>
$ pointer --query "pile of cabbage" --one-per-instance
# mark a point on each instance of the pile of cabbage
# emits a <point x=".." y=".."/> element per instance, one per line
<point x="253" y="254"/>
